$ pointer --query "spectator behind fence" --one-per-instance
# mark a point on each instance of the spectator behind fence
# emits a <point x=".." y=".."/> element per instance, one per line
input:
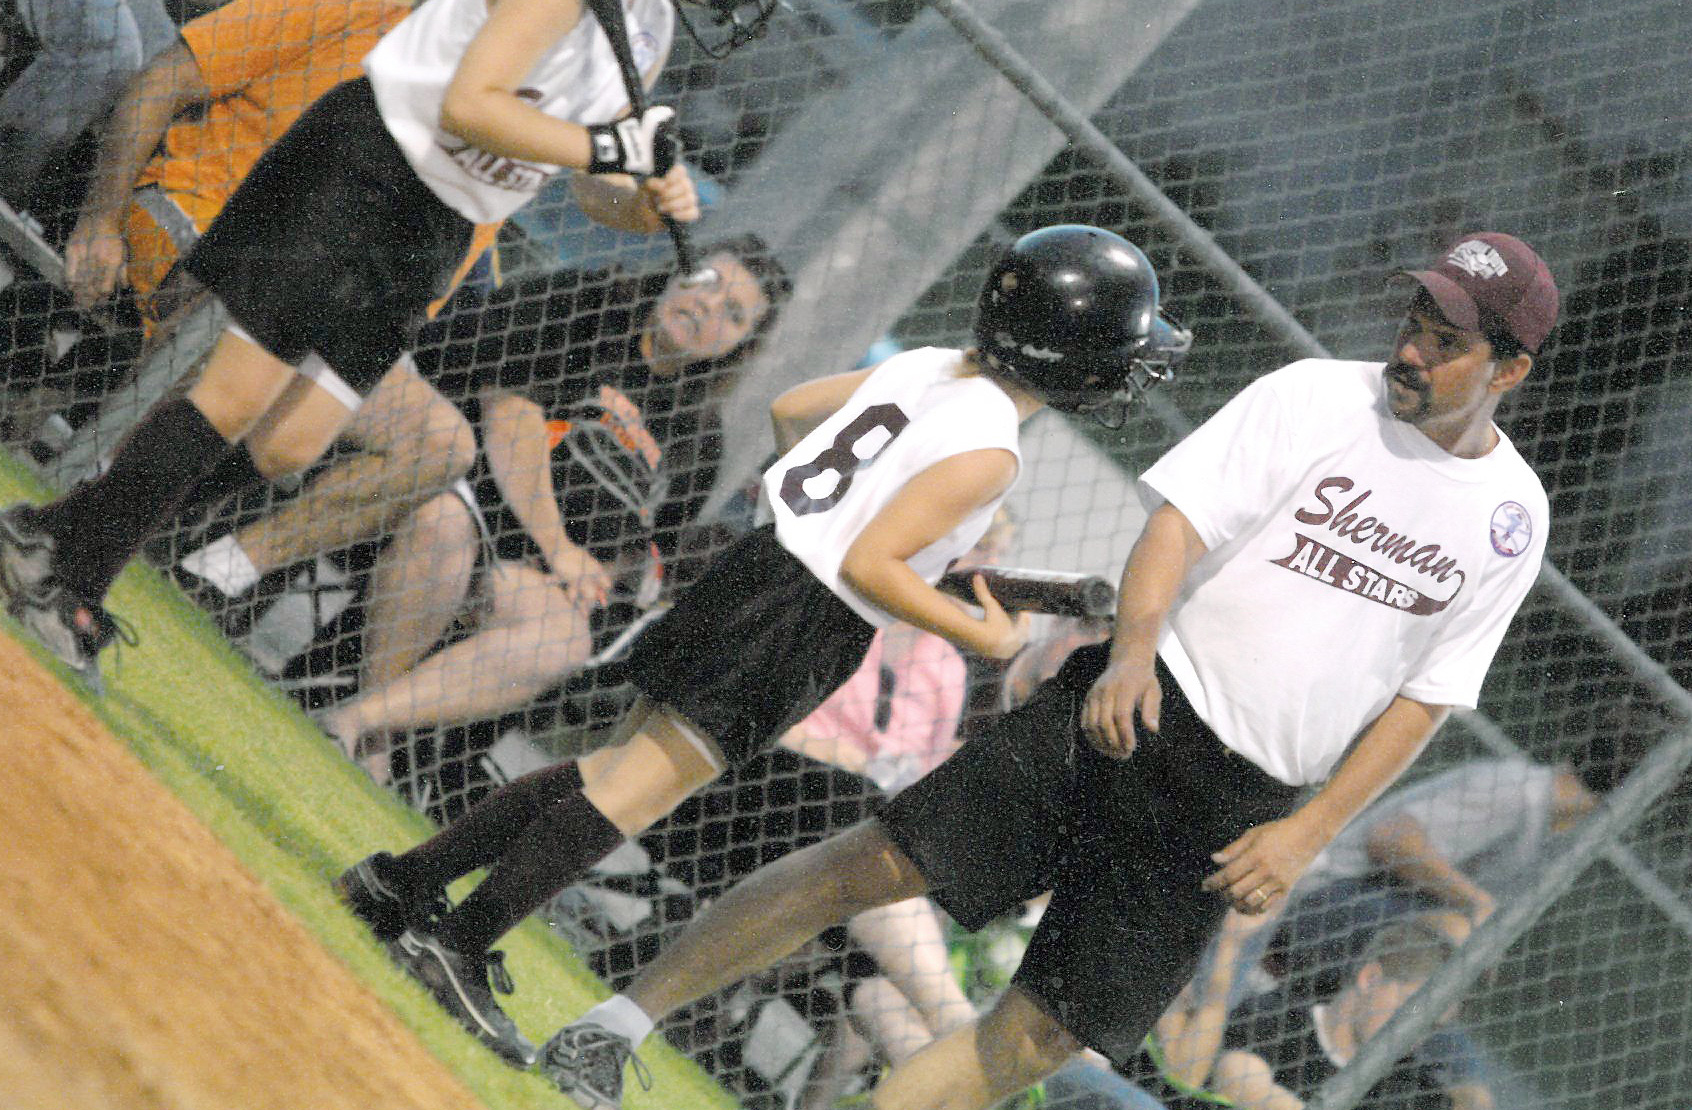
<point x="62" y="63"/>
<point x="1450" y="841"/>
<point x="1276" y="1049"/>
<point x="545" y="337"/>
<point x="563" y="504"/>
<point x="326" y="278"/>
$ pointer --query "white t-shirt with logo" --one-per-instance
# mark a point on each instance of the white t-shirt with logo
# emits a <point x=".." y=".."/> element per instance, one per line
<point x="577" y="80"/>
<point x="913" y="411"/>
<point x="1350" y="560"/>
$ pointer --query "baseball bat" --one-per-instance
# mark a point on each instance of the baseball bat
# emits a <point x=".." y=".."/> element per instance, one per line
<point x="1060" y="593"/>
<point x="616" y="27"/>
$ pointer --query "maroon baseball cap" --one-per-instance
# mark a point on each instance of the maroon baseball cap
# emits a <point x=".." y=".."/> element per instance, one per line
<point x="1488" y="271"/>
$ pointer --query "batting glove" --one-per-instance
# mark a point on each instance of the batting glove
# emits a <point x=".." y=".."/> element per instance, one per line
<point x="644" y="145"/>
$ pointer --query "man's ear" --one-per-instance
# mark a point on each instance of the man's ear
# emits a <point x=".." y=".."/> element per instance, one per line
<point x="1508" y="373"/>
<point x="1369" y="975"/>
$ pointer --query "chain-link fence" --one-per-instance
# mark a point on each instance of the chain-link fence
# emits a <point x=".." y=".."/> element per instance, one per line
<point x="1278" y="162"/>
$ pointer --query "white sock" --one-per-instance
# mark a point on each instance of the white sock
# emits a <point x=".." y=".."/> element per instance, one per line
<point x="621" y="1016"/>
<point x="224" y="565"/>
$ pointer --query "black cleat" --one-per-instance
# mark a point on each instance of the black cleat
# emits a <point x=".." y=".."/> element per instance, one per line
<point x="72" y="628"/>
<point x="380" y="904"/>
<point x="585" y="1061"/>
<point x="459" y="982"/>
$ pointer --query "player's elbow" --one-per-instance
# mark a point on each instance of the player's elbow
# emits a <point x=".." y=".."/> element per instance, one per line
<point x="864" y="569"/>
<point x="465" y="110"/>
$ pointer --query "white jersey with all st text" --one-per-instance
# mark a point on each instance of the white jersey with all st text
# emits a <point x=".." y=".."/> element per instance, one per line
<point x="914" y="410"/>
<point x="1350" y="560"/>
<point x="577" y="80"/>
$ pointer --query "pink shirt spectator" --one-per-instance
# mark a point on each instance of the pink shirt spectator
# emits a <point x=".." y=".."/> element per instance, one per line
<point x="897" y="716"/>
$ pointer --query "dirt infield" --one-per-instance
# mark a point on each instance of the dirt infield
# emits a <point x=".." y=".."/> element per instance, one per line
<point x="141" y="966"/>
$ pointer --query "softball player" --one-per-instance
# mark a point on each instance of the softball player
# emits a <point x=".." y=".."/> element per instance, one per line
<point x="335" y="244"/>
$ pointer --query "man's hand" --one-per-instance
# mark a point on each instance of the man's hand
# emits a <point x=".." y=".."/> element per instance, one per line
<point x="1260" y="867"/>
<point x="582" y="575"/>
<point x="96" y="263"/>
<point x="643" y="145"/>
<point x="1127" y="686"/>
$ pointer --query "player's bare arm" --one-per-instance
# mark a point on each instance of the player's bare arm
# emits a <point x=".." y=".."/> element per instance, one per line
<point x="1259" y="868"/>
<point x="1156" y="567"/>
<point x="618" y="202"/>
<point x="798" y="411"/>
<point x="519" y="458"/>
<point x="929" y="506"/>
<point x="94" y="253"/>
<point x="481" y="105"/>
<point x="1401" y="847"/>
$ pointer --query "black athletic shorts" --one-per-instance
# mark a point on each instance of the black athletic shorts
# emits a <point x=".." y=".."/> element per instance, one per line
<point x="332" y="244"/>
<point x="1030" y="806"/>
<point x="751" y="648"/>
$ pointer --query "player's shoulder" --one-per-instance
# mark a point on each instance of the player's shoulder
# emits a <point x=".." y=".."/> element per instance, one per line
<point x="1517" y="473"/>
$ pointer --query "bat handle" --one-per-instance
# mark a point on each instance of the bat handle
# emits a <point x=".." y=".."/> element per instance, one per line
<point x="687" y="261"/>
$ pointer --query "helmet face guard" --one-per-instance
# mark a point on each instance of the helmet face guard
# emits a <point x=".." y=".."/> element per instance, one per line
<point x="735" y="23"/>
<point x="1119" y="387"/>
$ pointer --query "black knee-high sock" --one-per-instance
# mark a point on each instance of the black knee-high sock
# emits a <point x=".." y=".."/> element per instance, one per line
<point x="482" y="835"/>
<point x="234" y="473"/>
<point x="556" y="849"/>
<point x="98" y="527"/>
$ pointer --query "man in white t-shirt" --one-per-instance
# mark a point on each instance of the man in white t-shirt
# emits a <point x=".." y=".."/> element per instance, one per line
<point x="1336" y="554"/>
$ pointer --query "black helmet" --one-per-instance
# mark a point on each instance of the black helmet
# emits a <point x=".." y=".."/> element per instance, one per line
<point x="1070" y="313"/>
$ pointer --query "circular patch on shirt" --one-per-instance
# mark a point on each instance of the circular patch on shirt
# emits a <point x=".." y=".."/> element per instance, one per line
<point x="1512" y="529"/>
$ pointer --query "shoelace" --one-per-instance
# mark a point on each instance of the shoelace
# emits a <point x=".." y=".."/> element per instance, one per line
<point x="590" y="1041"/>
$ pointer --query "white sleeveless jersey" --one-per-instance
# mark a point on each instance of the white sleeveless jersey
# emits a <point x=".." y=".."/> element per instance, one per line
<point x="577" y="80"/>
<point x="911" y="413"/>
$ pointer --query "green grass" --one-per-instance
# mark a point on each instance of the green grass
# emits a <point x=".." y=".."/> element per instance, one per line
<point x="273" y="788"/>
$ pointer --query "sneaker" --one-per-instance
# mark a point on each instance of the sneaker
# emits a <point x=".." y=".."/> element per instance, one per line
<point x="73" y="630"/>
<point x="26" y="558"/>
<point x="459" y="982"/>
<point x="381" y="906"/>
<point x="585" y="1061"/>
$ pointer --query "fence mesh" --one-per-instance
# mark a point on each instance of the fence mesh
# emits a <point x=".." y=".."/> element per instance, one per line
<point x="403" y="593"/>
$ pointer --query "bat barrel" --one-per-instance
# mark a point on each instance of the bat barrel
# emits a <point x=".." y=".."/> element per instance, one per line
<point x="1060" y="593"/>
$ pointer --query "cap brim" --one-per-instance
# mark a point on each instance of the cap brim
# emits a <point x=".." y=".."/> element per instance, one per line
<point x="1455" y="305"/>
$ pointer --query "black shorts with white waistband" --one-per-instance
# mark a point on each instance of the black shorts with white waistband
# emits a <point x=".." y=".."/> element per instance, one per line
<point x="751" y="648"/>
<point x="1123" y="845"/>
<point x="332" y="244"/>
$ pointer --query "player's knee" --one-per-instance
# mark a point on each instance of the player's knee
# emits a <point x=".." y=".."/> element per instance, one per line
<point x="444" y="521"/>
<point x="865" y="869"/>
<point x="279" y="456"/>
